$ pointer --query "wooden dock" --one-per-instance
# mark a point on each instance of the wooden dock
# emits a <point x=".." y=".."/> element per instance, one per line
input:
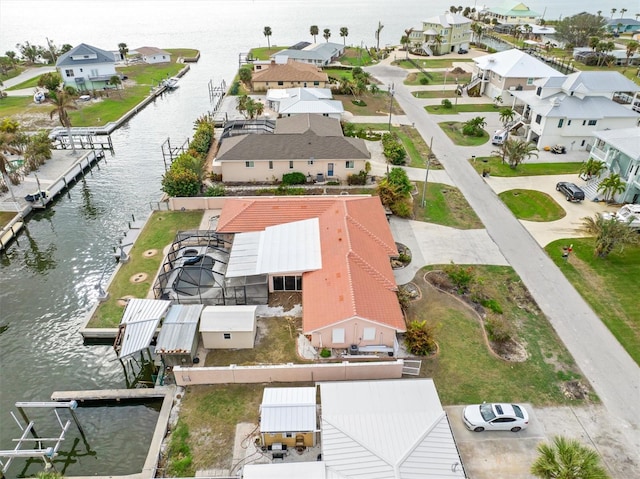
<point x="111" y="395"/>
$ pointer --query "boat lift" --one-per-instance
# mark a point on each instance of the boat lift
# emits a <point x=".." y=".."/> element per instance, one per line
<point x="41" y="450"/>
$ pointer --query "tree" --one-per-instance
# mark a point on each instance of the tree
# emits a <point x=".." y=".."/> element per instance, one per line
<point x="612" y="186"/>
<point x="438" y="39"/>
<point x="38" y="150"/>
<point x="517" y="151"/>
<point x="567" y="459"/>
<point x="245" y="73"/>
<point x="406" y="39"/>
<point x="344" y="33"/>
<point x="378" y="30"/>
<point x="11" y="55"/>
<point x="592" y="167"/>
<point x="313" y="30"/>
<point x="506" y="115"/>
<point x="578" y="29"/>
<point x="123" y="49"/>
<point x="474" y="126"/>
<point x="326" y="33"/>
<point x="63" y="102"/>
<point x="267" y="33"/>
<point x="632" y="47"/>
<point x="622" y="12"/>
<point x="51" y="81"/>
<point x="613" y="10"/>
<point x="115" y="81"/>
<point x="419" y="337"/>
<point x="593" y="43"/>
<point x="29" y="51"/>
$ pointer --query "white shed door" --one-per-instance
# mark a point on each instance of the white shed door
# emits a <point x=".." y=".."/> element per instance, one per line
<point x="337" y="336"/>
<point x="369" y="334"/>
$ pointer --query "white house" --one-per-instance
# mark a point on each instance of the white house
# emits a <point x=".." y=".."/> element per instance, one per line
<point x="620" y="151"/>
<point x="502" y="73"/>
<point x="86" y="67"/>
<point x="152" y="55"/>
<point x="299" y="101"/>
<point x="319" y="54"/>
<point x="442" y="34"/>
<point x="568" y="110"/>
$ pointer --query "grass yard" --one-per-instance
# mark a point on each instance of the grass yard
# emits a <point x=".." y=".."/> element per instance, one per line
<point x="436" y="78"/>
<point x="445" y="205"/>
<point x="376" y="105"/>
<point x="337" y="73"/>
<point x="426" y="64"/>
<point x="13" y="106"/>
<point x="532" y="205"/>
<point x="497" y="168"/>
<point x="264" y="53"/>
<point x="355" y="57"/>
<point x="465" y="371"/>
<point x="610" y="286"/>
<point x="415" y="146"/>
<point x="31" y="83"/>
<point x="461" y="108"/>
<point x="453" y="129"/>
<point x="12" y="73"/>
<point x="434" y="94"/>
<point x="158" y="233"/>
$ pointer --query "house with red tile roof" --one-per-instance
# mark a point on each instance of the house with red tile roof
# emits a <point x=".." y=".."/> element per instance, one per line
<point x="347" y="284"/>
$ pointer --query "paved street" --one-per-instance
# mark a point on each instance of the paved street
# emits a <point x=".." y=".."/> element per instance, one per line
<point x="613" y="374"/>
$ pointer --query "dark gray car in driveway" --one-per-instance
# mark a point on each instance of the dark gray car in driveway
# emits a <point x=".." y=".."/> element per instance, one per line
<point x="570" y="191"/>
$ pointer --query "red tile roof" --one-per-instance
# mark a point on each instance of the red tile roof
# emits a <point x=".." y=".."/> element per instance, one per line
<point x="356" y="279"/>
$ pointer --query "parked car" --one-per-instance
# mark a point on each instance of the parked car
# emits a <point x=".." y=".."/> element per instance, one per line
<point x="462" y="51"/>
<point x="571" y="191"/>
<point x="558" y="149"/>
<point x="495" y="417"/>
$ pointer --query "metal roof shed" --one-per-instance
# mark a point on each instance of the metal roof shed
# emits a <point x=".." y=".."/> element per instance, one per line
<point x="288" y="416"/>
<point x="138" y="325"/>
<point x="178" y="339"/>
<point x="228" y="327"/>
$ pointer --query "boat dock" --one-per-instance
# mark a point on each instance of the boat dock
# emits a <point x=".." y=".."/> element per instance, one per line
<point x="111" y="395"/>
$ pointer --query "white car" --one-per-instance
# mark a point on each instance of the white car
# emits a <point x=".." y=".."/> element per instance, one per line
<point x="495" y="417"/>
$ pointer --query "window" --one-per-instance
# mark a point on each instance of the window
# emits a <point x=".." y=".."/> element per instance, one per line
<point x="249" y="164"/>
<point x="560" y="122"/>
<point x="258" y="67"/>
<point x="539" y="91"/>
<point x="582" y="144"/>
<point x="287" y="283"/>
<point x="270" y="165"/>
<point x="349" y="164"/>
<point x="569" y="123"/>
<point x="584" y="122"/>
<point x="227" y="335"/>
<point x="81" y="70"/>
<point x="69" y="73"/>
<point x="280" y="83"/>
<point x="287" y="434"/>
<point x="529" y="81"/>
<point x="538" y="119"/>
<point x="337" y="336"/>
<point x="291" y="165"/>
<point x="369" y="334"/>
<point x="593" y="122"/>
<point x="316" y="83"/>
<point x="310" y="162"/>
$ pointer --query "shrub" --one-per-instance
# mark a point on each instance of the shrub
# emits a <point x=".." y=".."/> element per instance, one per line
<point x="393" y="149"/>
<point x="235" y="88"/>
<point x="446" y="103"/>
<point x="402" y="208"/>
<point x="215" y="190"/>
<point x="349" y="129"/>
<point x="295" y="178"/>
<point x="357" y="179"/>
<point x="179" y="452"/>
<point x="424" y="80"/>
<point x="359" y="102"/>
<point x="215" y="176"/>
<point x="325" y="353"/>
<point x="180" y="182"/>
<point x="462" y="278"/>
<point x="493" y="305"/>
<point x="404" y="298"/>
<point x="499" y="329"/>
<point x="420" y="338"/>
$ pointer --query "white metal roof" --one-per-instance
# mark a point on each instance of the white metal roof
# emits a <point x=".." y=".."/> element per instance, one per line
<point x="289" y="470"/>
<point x="179" y="329"/>
<point x="292" y="106"/>
<point x="228" y="318"/>
<point x="277" y="94"/>
<point x="515" y="63"/>
<point x="599" y="82"/>
<point x="626" y="140"/>
<point x="288" y="410"/>
<point x="285" y="248"/>
<point x="141" y="317"/>
<point x="391" y="429"/>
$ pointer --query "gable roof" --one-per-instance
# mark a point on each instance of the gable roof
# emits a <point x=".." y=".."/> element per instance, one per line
<point x="319" y="51"/>
<point x="295" y="138"/>
<point x="448" y="20"/>
<point x="561" y="105"/>
<point x="288" y="410"/>
<point x="305" y="100"/>
<point x="626" y="140"/>
<point x="150" y="51"/>
<point x="356" y="279"/>
<point x="290" y="71"/>
<point x="519" y="10"/>
<point x="599" y="82"/>
<point x="390" y="428"/>
<point x="74" y="57"/>
<point x="516" y="64"/>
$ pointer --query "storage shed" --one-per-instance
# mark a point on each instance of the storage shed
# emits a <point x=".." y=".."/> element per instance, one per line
<point x="178" y="339"/>
<point x="288" y="417"/>
<point x="228" y="327"/>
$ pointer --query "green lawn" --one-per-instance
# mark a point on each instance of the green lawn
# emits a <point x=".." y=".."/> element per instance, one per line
<point x="436" y="78"/>
<point x="110" y="108"/>
<point x="375" y="105"/>
<point x="15" y="105"/>
<point x="497" y="168"/>
<point x="445" y="205"/>
<point x="265" y="53"/>
<point x="465" y="371"/>
<point x="427" y="64"/>
<point x="338" y="73"/>
<point x="356" y="56"/>
<point x="414" y="144"/>
<point x="434" y="94"/>
<point x="461" y="108"/>
<point x="158" y="233"/>
<point x="31" y="83"/>
<point x="610" y="286"/>
<point x="532" y="205"/>
<point x="14" y="72"/>
<point x="453" y="129"/>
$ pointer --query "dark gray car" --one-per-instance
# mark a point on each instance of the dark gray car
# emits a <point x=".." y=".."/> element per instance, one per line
<point x="571" y="191"/>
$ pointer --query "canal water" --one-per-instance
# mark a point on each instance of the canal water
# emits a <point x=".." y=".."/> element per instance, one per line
<point x="48" y="277"/>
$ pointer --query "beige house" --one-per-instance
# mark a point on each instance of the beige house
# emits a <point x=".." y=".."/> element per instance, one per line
<point x="152" y="55"/>
<point x="228" y="327"/>
<point x="283" y="72"/>
<point x="519" y="14"/>
<point x="442" y="34"/>
<point x="310" y="144"/>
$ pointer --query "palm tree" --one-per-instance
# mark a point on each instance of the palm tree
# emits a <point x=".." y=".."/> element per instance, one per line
<point x="632" y="47"/>
<point x="517" y="151"/>
<point x="613" y="10"/>
<point x="267" y="33"/>
<point x="378" y="30"/>
<point x="612" y="186"/>
<point x="593" y="42"/>
<point x="592" y="167"/>
<point x="63" y="102"/>
<point x="609" y="234"/>
<point x="406" y="40"/>
<point x="506" y="115"/>
<point x="326" y="33"/>
<point x="123" y="49"/>
<point x="567" y="459"/>
<point x="313" y="30"/>
<point x="622" y="12"/>
<point x="344" y="33"/>
<point x="438" y="39"/>
<point x="6" y="146"/>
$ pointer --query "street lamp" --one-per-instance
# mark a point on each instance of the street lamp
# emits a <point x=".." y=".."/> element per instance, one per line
<point x="391" y="93"/>
<point x="456" y="92"/>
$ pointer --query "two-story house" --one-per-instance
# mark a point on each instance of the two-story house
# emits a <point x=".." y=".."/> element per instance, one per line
<point x="442" y="34"/>
<point x="568" y="110"/>
<point x="519" y="14"/>
<point x="86" y="67"/>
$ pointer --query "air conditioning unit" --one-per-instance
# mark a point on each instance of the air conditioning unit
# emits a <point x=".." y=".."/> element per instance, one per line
<point x="353" y="349"/>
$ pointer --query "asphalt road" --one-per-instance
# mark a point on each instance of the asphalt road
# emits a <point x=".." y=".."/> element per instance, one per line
<point x="611" y="371"/>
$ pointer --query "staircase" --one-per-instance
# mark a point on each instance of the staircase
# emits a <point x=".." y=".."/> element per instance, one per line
<point x="590" y="188"/>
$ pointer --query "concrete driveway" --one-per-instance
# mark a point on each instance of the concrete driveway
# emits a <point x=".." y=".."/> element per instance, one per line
<point x="548" y="231"/>
<point x="508" y="455"/>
